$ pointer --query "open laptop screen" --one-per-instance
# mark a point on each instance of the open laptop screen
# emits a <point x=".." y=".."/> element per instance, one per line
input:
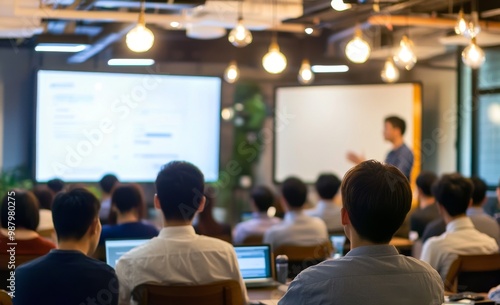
<point x="116" y="248"/>
<point x="254" y="261"/>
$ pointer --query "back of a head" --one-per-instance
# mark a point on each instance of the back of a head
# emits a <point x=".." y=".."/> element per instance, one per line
<point x="179" y="187"/>
<point x="73" y="212"/>
<point x="453" y="192"/>
<point x="262" y="197"/>
<point x="44" y="196"/>
<point x="397" y="122"/>
<point x="327" y="186"/>
<point x="294" y="191"/>
<point x="55" y="185"/>
<point x="425" y="181"/>
<point x="107" y="183"/>
<point x="127" y="197"/>
<point x="479" y="192"/>
<point x="26" y="208"/>
<point x="377" y="198"/>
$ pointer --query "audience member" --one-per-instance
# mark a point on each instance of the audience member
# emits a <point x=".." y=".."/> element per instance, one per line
<point x="182" y="256"/>
<point x="206" y="224"/>
<point x="25" y="219"/>
<point x="68" y="275"/>
<point x="482" y="222"/>
<point x="327" y="186"/>
<point x="128" y="202"/>
<point x="45" y="198"/>
<point x="434" y="228"/>
<point x="428" y="210"/>
<point x="453" y="194"/>
<point x="262" y="200"/>
<point x="55" y="185"/>
<point x="107" y="184"/>
<point x="296" y="228"/>
<point x="376" y="198"/>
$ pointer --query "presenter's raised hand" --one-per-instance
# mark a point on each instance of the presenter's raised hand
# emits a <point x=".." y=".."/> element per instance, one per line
<point x="355" y="158"/>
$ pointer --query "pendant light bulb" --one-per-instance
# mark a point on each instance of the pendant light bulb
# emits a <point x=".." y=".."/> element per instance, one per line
<point x="140" y="38"/>
<point x="473" y="56"/>
<point x="405" y="55"/>
<point x="274" y="61"/>
<point x="358" y="50"/>
<point x="461" y="25"/>
<point x="232" y="72"/>
<point x="240" y="36"/>
<point x="306" y="75"/>
<point x="473" y="28"/>
<point x="390" y="73"/>
<point x="339" y="5"/>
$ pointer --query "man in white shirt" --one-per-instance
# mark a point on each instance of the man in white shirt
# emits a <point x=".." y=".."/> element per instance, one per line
<point x="327" y="186"/>
<point x="297" y="228"/>
<point x="178" y="256"/>
<point x="453" y="194"/>
<point x="262" y="200"/>
<point x="482" y="222"/>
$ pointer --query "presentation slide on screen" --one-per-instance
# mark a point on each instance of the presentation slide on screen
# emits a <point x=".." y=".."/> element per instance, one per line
<point x="92" y="123"/>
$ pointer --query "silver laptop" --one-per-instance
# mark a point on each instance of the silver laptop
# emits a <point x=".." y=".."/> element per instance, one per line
<point x="115" y="248"/>
<point x="256" y="265"/>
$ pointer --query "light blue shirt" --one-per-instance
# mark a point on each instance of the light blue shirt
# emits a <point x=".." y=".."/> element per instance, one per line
<point x="367" y="275"/>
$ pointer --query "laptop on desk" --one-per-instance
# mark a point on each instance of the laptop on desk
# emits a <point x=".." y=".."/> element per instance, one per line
<point x="115" y="248"/>
<point x="256" y="265"/>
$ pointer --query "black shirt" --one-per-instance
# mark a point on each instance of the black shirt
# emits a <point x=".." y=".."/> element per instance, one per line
<point x="421" y="217"/>
<point x="434" y="228"/>
<point x="65" y="277"/>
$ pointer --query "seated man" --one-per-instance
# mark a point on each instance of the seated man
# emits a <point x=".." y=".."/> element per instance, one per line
<point x="107" y="185"/>
<point x="428" y="210"/>
<point x="482" y="222"/>
<point x="453" y="194"/>
<point x="128" y="203"/>
<point x="68" y="275"/>
<point x="327" y="186"/>
<point x="376" y="199"/>
<point x="262" y="200"/>
<point x="297" y="228"/>
<point x="178" y="255"/>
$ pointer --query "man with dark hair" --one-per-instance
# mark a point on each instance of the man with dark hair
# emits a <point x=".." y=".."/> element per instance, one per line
<point x="297" y="228"/>
<point x="453" y="194"/>
<point x="327" y="186"/>
<point x="55" y="185"/>
<point x="428" y="210"/>
<point x="262" y="200"/>
<point x="372" y="272"/>
<point x="107" y="185"/>
<point x="482" y="222"/>
<point x="178" y="256"/>
<point x="400" y="156"/>
<point x="68" y="275"/>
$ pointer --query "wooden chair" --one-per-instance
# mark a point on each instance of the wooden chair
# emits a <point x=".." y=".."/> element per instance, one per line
<point x="253" y="240"/>
<point x="5" y="298"/>
<point x="5" y="262"/>
<point x="219" y="293"/>
<point x="302" y="257"/>
<point x="477" y="273"/>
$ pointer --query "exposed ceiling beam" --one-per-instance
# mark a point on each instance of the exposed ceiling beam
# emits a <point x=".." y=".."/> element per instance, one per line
<point x="439" y="23"/>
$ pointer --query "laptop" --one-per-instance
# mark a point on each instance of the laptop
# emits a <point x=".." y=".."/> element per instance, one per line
<point x="255" y="265"/>
<point x="338" y="242"/>
<point x="115" y="248"/>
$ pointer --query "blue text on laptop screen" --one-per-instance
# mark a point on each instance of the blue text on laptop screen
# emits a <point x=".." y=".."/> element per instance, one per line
<point x="116" y="248"/>
<point x="254" y="262"/>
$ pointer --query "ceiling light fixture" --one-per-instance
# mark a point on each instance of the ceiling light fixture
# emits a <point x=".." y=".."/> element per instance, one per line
<point x="461" y="25"/>
<point x="305" y="76"/>
<point x="274" y="61"/>
<point x="329" y="68"/>
<point x="232" y="72"/>
<point x="473" y="28"/>
<point x="309" y="30"/>
<point x="390" y="73"/>
<point x="240" y="36"/>
<point x="339" y="5"/>
<point x="140" y="38"/>
<point x="473" y="56"/>
<point x="131" y="62"/>
<point x="405" y="55"/>
<point x="60" y="47"/>
<point x="358" y="50"/>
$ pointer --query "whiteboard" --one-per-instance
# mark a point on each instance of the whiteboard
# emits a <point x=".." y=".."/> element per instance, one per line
<point x="316" y="126"/>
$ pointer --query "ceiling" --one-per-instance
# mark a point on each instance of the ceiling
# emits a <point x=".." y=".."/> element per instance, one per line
<point x="189" y="23"/>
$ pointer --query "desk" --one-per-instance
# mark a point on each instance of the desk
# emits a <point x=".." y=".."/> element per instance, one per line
<point x="271" y="293"/>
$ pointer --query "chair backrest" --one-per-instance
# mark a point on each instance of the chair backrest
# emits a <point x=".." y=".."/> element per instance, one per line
<point x="5" y="298"/>
<point x="219" y="293"/>
<point x="253" y="240"/>
<point x="302" y="257"/>
<point x="477" y="273"/>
